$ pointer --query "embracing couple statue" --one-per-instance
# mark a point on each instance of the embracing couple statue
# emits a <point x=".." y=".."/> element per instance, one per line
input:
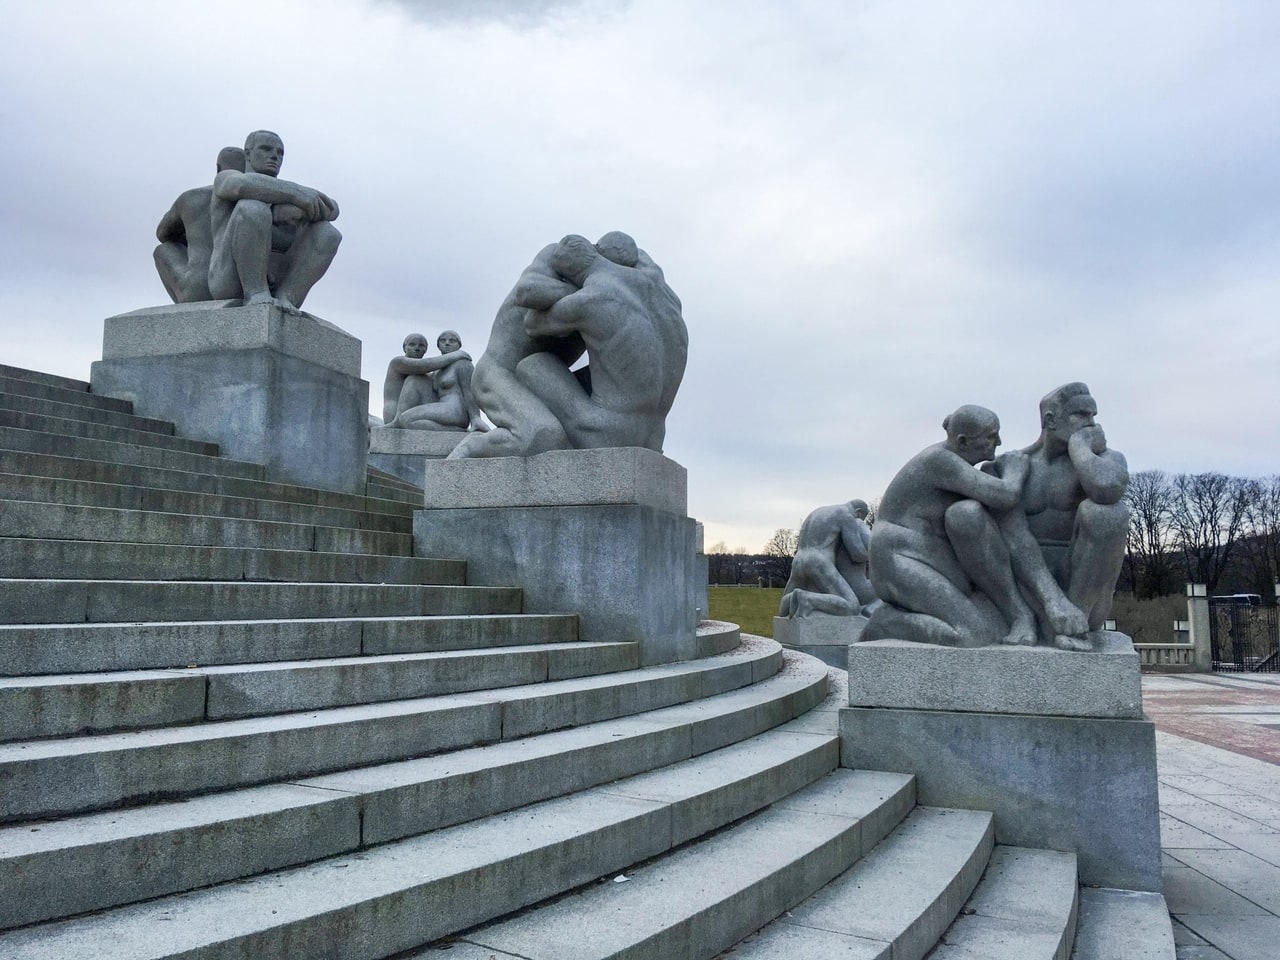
<point x="1025" y="550"/>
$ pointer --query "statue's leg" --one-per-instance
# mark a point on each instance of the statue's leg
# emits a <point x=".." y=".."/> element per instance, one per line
<point x="313" y="249"/>
<point x="169" y="257"/>
<point x="523" y="426"/>
<point x="984" y="556"/>
<point x="1097" y="553"/>
<point x="247" y="239"/>
<point x="806" y="602"/>
<point x="547" y="378"/>
<point x="889" y="622"/>
<point x="436" y="415"/>
<point x="916" y="587"/>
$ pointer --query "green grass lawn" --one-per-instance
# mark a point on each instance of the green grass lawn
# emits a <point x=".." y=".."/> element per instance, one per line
<point x="751" y="608"/>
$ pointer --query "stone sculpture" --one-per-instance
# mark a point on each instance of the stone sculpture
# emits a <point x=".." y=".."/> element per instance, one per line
<point x="431" y="393"/>
<point x="186" y="237"/>
<point x="1025" y="551"/>
<point x="829" y="571"/>
<point x="272" y="238"/>
<point x="608" y="300"/>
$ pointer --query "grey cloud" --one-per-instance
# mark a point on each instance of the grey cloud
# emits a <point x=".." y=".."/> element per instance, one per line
<point x="515" y="13"/>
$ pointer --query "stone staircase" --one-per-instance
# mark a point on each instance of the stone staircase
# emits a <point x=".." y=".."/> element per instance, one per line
<point x="239" y="718"/>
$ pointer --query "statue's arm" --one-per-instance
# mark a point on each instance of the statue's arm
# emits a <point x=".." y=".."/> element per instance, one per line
<point x="568" y="315"/>
<point x="233" y="186"/>
<point x="171" y="227"/>
<point x="1103" y="474"/>
<point x="1000" y="493"/>
<point x="856" y="538"/>
<point x="409" y="365"/>
<point x="540" y="291"/>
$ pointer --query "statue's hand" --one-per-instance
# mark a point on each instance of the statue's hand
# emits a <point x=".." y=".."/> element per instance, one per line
<point x="1013" y="465"/>
<point x="286" y="215"/>
<point x="329" y="208"/>
<point x="1091" y="438"/>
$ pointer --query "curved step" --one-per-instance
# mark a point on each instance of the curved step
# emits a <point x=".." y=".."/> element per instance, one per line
<point x="43" y="778"/>
<point x="404" y="893"/>
<point x="1123" y="925"/>
<point x="117" y="601"/>
<point x="895" y="902"/>
<point x="59" y="521"/>
<point x="101" y="860"/>
<point x="72" y="705"/>
<point x="32" y="650"/>
<point x="1024" y="908"/>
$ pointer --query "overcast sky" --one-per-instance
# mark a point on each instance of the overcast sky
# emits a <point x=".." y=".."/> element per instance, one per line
<point x="873" y="212"/>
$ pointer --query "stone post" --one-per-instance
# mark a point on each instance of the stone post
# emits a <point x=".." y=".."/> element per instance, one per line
<point x="1198" y="621"/>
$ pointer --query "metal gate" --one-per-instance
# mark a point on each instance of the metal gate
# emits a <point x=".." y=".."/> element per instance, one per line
<point x="1244" y="637"/>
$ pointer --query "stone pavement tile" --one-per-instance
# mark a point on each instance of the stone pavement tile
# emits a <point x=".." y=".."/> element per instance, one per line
<point x="1224" y="824"/>
<point x="1182" y="934"/>
<point x="1242" y="872"/>
<point x="1177" y="833"/>
<point x="1198" y="952"/>
<point x="1200" y="786"/>
<point x="1252" y="806"/>
<point x="1187" y="891"/>
<point x="1240" y="938"/>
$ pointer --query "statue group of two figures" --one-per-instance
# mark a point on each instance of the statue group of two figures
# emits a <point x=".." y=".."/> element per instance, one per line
<point x="970" y="548"/>
<point x="587" y="350"/>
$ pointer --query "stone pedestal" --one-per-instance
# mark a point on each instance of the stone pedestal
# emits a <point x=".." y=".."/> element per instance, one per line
<point x="1052" y="742"/>
<point x="267" y="386"/>
<point x="404" y="453"/>
<point x="820" y="635"/>
<point x="601" y="533"/>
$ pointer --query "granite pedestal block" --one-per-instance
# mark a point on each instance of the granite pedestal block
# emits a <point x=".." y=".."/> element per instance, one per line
<point x="1053" y="743"/>
<point x="820" y="635"/>
<point x="267" y="386"/>
<point x="579" y="532"/>
<point x="404" y="453"/>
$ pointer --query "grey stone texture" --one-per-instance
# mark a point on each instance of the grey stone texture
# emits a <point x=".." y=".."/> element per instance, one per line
<point x="405" y="452"/>
<point x="829" y="570"/>
<point x="1076" y="784"/>
<point x="999" y="679"/>
<point x="822" y="635"/>
<point x="631" y="475"/>
<point x="270" y="387"/>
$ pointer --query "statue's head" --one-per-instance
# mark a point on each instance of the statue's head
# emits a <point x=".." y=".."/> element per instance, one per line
<point x="973" y="432"/>
<point x="264" y="152"/>
<point x="573" y="257"/>
<point x="415" y="346"/>
<point x="230" y="158"/>
<point x="449" y="341"/>
<point x="859" y="508"/>
<point x="1067" y="409"/>
<point x="618" y="247"/>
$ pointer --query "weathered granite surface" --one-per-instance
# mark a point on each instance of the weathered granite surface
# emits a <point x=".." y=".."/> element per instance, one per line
<point x="829" y="570"/>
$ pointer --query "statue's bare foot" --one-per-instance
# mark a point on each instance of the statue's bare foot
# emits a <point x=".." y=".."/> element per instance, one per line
<point x="1023" y="633"/>
<point x="1065" y="642"/>
<point x="801" y="605"/>
<point x="1066" y="619"/>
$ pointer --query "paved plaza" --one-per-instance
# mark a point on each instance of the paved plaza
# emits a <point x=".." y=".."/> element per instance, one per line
<point x="1218" y="743"/>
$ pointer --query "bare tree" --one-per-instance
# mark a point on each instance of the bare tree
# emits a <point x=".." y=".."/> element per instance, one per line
<point x="1208" y="519"/>
<point x="783" y="543"/>
<point x="1148" y="554"/>
<point x="1260" y="546"/>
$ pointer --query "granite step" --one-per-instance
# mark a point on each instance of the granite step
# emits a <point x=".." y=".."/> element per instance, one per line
<point x="48" y="379"/>
<point x="896" y="902"/>
<point x="44" y="465"/>
<point x="32" y="650"/>
<point x="17" y="440"/>
<point x="1024" y="908"/>
<point x="87" y="493"/>
<point x="50" y="778"/>
<point x="64" y="427"/>
<point x="77" y="704"/>
<point x="143" y="601"/>
<point x="403" y="894"/>
<point x="411" y="495"/>
<point x="96" y="861"/>
<point x="60" y="521"/>
<point x="1123" y="925"/>
<point x="391" y="480"/>
<point x="79" y="560"/>
<point x="22" y="403"/>
<point x="49" y="387"/>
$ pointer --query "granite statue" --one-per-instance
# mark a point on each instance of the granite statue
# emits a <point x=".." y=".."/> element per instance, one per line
<point x="272" y="239"/>
<point x="431" y="393"/>
<point x="829" y="570"/>
<point x="608" y="301"/>
<point x="186" y="237"/>
<point x="1024" y="551"/>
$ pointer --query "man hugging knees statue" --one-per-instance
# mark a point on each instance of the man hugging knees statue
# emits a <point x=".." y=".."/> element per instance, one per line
<point x="1026" y="550"/>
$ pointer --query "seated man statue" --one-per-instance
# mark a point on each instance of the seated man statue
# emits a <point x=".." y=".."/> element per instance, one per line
<point x="186" y="238"/>
<point x="829" y="571"/>
<point x="272" y="239"/>
<point x="422" y="393"/>
<point x="1067" y="541"/>
<point x="524" y="383"/>
<point x="938" y="559"/>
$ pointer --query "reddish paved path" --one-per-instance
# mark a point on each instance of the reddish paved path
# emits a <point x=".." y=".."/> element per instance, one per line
<point x="1237" y="712"/>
